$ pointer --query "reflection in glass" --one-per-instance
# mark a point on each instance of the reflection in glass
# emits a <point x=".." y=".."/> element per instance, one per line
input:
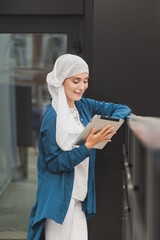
<point x="25" y="60"/>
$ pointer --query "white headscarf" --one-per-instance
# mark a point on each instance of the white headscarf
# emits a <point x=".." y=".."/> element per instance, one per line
<point x="67" y="129"/>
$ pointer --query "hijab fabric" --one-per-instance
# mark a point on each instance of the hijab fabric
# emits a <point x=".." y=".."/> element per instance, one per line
<point x="67" y="129"/>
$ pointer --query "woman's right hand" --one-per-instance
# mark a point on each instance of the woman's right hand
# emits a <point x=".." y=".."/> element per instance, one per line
<point x="102" y="136"/>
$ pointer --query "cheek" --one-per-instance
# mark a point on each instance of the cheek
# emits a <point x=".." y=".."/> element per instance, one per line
<point x="86" y="86"/>
<point x="68" y="88"/>
<point x="67" y="91"/>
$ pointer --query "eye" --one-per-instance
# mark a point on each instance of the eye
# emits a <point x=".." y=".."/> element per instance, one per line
<point x="76" y="81"/>
<point x="86" y="81"/>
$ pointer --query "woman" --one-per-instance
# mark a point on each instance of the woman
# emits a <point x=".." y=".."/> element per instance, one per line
<point x="66" y="181"/>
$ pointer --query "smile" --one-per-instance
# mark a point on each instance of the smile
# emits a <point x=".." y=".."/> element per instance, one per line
<point x="79" y="93"/>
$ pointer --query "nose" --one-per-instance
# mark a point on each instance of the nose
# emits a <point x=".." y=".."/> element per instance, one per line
<point x="82" y="85"/>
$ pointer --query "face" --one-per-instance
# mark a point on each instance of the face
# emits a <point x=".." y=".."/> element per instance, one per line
<point x="75" y="86"/>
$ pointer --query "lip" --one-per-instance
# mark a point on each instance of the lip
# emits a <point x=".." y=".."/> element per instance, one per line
<point x="79" y="93"/>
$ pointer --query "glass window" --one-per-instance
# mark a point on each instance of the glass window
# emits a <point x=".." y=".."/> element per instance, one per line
<point x="25" y="60"/>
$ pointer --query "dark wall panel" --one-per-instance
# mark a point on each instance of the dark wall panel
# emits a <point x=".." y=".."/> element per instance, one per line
<point x="24" y="116"/>
<point x="126" y="54"/>
<point x="107" y="222"/>
<point x="125" y="70"/>
<point x="41" y="7"/>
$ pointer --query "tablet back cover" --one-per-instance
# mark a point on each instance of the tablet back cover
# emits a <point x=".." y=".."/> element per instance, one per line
<point x="98" y="122"/>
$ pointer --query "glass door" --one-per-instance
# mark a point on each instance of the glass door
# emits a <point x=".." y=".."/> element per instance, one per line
<point x="28" y="50"/>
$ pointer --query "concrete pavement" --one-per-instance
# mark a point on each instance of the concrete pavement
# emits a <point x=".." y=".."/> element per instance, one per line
<point x="16" y="203"/>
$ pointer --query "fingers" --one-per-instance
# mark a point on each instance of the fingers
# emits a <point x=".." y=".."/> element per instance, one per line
<point x="106" y="138"/>
<point x="106" y="130"/>
<point x="102" y="136"/>
<point x="93" y="131"/>
<point x="108" y="134"/>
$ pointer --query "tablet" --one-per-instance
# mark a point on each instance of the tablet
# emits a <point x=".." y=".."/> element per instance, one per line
<point x="98" y="122"/>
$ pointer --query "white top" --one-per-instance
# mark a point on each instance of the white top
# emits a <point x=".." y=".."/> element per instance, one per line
<point x="80" y="186"/>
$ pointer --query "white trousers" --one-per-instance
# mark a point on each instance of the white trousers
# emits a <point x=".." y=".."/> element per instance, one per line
<point x="74" y="226"/>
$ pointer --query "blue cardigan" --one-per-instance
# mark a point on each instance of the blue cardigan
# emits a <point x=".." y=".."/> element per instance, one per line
<point x="56" y="167"/>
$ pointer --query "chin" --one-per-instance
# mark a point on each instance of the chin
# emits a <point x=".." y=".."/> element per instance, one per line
<point x="78" y="98"/>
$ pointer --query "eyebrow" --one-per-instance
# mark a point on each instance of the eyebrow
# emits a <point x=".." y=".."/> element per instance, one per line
<point x="78" y="78"/>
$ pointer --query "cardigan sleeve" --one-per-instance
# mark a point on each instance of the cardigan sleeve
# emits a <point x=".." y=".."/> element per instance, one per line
<point x="108" y="109"/>
<point x="58" y="160"/>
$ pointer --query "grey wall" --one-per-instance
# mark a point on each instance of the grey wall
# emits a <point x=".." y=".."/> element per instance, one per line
<point x="125" y="69"/>
<point x="126" y="53"/>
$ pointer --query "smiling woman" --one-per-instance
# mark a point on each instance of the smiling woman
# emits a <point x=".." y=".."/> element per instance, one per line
<point x="66" y="175"/>
<point x="75" y="87"/>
